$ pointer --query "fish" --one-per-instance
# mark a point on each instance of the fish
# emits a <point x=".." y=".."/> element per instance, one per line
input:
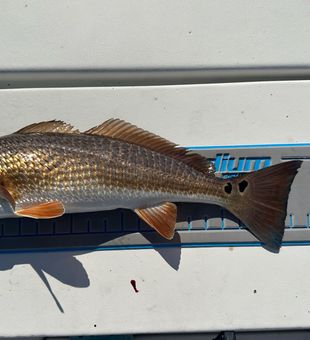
<point x="50" y="168"/>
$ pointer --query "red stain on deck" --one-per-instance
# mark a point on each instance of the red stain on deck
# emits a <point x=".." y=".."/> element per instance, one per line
<point x="133" y="283"/>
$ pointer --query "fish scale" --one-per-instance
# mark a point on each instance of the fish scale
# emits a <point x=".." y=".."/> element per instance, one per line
<point x="87" y="168"/>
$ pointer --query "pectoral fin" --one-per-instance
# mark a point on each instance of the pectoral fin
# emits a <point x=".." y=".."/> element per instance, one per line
<point x="5" y="194"/>
<point x="42" y="210"/>
<point x="162" y="218"/>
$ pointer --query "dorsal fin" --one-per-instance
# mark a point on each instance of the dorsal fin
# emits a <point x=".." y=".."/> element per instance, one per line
<point x="56" y="126"/>
<point x="119" y="129"/>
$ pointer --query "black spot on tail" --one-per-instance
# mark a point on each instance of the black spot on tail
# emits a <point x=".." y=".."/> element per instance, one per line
<point x="228" y="188"/>
<point x="243" y="185"/>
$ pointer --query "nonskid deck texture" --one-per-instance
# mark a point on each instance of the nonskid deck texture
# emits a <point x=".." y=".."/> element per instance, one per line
<point x="198" y="225"/>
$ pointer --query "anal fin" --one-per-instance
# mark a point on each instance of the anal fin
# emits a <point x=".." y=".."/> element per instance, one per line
<point x="162" y="218"/>
<point x="42" y="210"/>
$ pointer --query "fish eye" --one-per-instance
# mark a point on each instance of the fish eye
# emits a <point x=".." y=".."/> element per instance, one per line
<point x="228" y="188"/>
<point x="243" y="185"/>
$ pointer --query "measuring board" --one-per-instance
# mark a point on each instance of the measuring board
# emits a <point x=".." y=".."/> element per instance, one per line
<point x="198" y="225"/>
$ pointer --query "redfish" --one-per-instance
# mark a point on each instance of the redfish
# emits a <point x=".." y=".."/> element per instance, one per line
<point x="49" y="168"/>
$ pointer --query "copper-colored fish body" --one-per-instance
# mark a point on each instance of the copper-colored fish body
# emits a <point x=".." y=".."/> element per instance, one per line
<point x="87" y="172"/>
<point x="50" y="168"/>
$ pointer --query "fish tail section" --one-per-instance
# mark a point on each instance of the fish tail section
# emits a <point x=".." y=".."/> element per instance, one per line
<point x="259" y="200"/>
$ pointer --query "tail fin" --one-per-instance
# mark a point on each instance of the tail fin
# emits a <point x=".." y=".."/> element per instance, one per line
<point x="259" y="200"/>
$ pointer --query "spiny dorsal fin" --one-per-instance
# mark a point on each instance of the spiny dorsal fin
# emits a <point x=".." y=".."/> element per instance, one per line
<point x="119" y="129"/>
<point x="56" y="126"/>
<point x="162" y="218"/>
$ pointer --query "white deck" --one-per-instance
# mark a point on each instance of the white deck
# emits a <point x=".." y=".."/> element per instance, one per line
<point x="189" y="290"/>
